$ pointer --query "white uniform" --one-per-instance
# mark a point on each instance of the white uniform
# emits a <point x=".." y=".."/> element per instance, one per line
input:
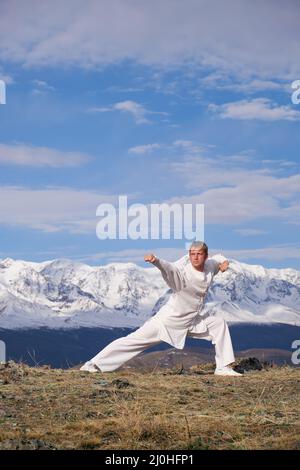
<point x="181" y="316"/>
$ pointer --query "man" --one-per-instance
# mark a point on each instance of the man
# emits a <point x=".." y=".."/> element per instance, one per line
<point x="189" y="278"/>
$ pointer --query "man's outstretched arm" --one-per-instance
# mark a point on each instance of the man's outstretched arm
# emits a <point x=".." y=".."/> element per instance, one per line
<point x="169" y="271"/>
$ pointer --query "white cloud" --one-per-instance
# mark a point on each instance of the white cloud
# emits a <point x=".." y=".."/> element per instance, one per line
<point x="41" y="87"/>
<point x="250" y="232"/>
<point x="234" y="189"/>
<point x="28" y="155"/>
<point x="260" y="108"/>
<point x="133" y="255"/>
<point x="136" y="110"/>
<point x="8" y="79"/>
<point x="42" y="84"/>
<point x="143" y="149"/>
<point x="253" y="197"/>
<point x="267" y="253"/>
<point x="222" y="81"/>
<point x="243" y="36"/>
<point x="186" y="146"/>
<point x="52" y="209"/>
<point x="259" y="85"/>
<point x="120" y="89"/>
<point x="235" y="194"/>
<point x="189" y="147"/>
<point x="101" y="109"/>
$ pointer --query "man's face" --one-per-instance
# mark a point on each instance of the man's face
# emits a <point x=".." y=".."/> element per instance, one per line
<point x="197" y="257"/>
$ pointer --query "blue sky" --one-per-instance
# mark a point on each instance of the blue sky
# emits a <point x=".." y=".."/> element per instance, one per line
<point x="187" y="104"/>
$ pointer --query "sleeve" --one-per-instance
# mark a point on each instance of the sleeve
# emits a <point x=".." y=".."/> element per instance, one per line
<point x="170" y="273"/>
<point x="214" y="262"/>
<point x="181" y="262"/>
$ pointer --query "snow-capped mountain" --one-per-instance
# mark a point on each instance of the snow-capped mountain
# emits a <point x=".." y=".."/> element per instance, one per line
<point x="66" y="294"/>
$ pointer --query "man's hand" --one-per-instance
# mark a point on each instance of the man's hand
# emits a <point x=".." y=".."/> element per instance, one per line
<point x="150" y="258"/>
<point x="223" y="266"/>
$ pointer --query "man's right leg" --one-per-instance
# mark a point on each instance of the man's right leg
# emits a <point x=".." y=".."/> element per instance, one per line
<point x="122" y="349"/>
<point x="218" y="333"/>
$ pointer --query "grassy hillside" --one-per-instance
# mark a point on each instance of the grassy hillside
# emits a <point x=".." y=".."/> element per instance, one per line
<point x="188" y="357"/>
<point x="44" y="408"/>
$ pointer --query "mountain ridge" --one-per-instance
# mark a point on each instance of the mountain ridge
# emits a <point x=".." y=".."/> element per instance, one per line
<point x="62" y="293"/>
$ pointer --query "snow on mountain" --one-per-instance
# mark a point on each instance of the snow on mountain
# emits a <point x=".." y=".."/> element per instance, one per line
<point x="66" y="294"/>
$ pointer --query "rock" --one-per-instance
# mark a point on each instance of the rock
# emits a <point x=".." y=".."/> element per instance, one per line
<point x="103" y="383"/>
<point x="121" y="383"/>
<point x="100" y="393"/>
<point x="13" y="372"/>
<point x="247" y="364"/>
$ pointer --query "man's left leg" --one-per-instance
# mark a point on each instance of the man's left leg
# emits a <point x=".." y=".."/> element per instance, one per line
<point x="215" y="329"/>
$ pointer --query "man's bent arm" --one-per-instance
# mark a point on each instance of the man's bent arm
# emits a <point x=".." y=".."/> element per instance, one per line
<point x="170" y="274"/>
<point x="220" y="263"/>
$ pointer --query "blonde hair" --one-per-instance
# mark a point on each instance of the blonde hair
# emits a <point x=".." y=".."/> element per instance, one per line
<point x="199" y="245"/>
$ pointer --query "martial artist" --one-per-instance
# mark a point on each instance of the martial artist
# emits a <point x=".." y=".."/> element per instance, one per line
<point x="182" y="315"/>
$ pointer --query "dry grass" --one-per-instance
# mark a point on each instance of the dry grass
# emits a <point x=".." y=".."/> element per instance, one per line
<point x="67" y="409"/>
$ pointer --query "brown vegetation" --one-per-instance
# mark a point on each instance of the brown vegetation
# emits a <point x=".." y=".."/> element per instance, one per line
<point x="44" y="408"/>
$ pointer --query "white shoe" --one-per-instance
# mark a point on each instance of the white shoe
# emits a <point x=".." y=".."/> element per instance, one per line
<point x="227" y="371"/>
<point x="90" y="367"/>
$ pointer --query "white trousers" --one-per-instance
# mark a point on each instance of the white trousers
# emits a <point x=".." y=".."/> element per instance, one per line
<point x="123" y="349"/>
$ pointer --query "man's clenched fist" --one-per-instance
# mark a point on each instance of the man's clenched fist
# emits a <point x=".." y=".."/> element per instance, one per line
<point x="223" y="266"/>
<point x="150" y="258"/>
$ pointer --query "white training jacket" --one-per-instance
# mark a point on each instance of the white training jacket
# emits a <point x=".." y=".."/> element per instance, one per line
<point x="183" y="309"/>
